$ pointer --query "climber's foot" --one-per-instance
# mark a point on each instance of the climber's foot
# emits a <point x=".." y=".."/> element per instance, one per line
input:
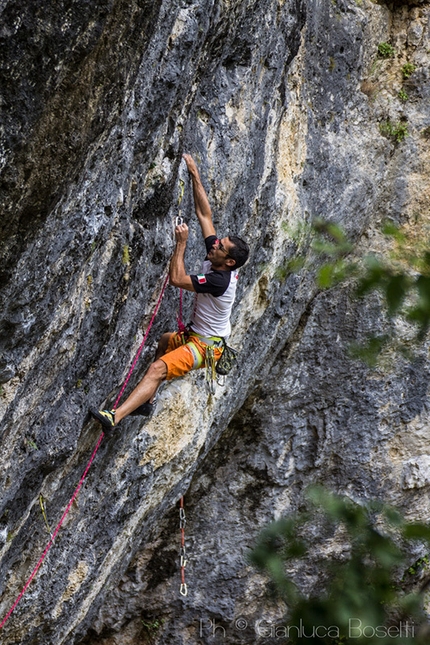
<point x="106" y="417"/>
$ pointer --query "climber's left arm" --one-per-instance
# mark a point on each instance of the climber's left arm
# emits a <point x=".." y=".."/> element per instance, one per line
<point x="178" y="275"/>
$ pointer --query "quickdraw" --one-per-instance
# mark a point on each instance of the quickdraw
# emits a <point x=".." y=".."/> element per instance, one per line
<point x="45" y="517"/>
<point x="210" y="372"/>
<point x="183" y="589"/>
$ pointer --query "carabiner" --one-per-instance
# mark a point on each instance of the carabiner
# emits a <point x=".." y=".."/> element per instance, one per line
<point x="179" y="220"/>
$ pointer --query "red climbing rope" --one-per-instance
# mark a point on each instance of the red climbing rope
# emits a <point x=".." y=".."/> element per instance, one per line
<point x="55" y="533"/>
<point x="136" y="358"/>
<point x="181" y="326"/>
<point x="81" y="481"/>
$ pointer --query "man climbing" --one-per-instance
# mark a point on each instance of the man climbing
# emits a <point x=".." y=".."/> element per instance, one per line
<point x="180" y="352"/>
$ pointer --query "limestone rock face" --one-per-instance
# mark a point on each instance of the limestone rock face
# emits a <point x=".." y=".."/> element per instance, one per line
<point x="280" y="102"/>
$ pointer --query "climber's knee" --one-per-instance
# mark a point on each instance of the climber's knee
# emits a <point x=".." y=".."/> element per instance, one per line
<point x="157" y="371"/>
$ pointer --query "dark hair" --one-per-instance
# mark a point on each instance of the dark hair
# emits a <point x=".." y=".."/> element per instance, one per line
<point x="240" y="252"/>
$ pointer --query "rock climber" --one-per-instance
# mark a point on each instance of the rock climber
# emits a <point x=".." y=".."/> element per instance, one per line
<point x="180" y="352"/>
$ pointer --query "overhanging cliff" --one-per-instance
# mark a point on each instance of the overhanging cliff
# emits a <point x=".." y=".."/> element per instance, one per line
<point x="280" y="102"/>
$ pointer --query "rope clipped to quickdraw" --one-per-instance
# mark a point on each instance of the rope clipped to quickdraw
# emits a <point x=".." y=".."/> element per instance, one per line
<point x="183" y="590"/>
<point x="178" y="221"/>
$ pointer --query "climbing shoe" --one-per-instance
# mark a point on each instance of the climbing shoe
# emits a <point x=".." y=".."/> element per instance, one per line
<point x="146" y="409"/>
<point x="106" y="417"/>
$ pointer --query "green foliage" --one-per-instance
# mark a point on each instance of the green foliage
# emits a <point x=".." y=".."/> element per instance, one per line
<point x="332" y="245"/>
<point x="150" y="629"/>
<point x="299" y="235"/>
<point x="403" y="96"/>
<point x="293" y="265"/>
<point x="370" y="351"/>
<point x="378" y="275"/>
<point x="419" y="565"/>
<point x="397" y="131"/>
<point x="408" y="69"/>
<point x="361" y="588"/>
<point x="401" y="276"/>
<point x="385" y="50"/>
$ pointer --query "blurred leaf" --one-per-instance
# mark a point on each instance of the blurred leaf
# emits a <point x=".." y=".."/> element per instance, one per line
<point x="395" y="291"/>
<point x="417" y="531"/>
<point x="374" y="276"/>
<point x="420" y="313"/>
<point x="369" y="352"/>
<point x="383" y="549"/>
<point x="423" y="286"/>
<point x="324" y="247"/>
<point x="426" y="258"/>
<point x="325" y="277"/>
<point x="392" y="230"/>
<point x="362" y="586"/>
<point x="331" y="274"/>
<point x="293" y="265"/>
<point x="393" y="516"/>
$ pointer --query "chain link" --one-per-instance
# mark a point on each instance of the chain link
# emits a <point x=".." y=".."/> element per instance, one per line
<point x="183" y="590"/>
<point x="210" y="369"/>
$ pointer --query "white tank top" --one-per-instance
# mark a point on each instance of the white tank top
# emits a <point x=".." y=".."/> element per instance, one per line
<point x="211" y="314"/>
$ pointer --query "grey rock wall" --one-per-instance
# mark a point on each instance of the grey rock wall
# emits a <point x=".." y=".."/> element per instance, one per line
<point x="280" y="103"/>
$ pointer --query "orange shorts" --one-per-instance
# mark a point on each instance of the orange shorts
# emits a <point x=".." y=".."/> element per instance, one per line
<point x="183" y="355"/>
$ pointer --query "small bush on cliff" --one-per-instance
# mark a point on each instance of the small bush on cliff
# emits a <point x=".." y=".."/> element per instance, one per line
<point x="385" y="50"/>
<point x="362" y="600"/>
<point x="396" y="131"/>
<point x="407" y="70"/>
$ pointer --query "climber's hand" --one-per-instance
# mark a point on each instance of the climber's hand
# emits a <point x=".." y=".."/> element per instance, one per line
<point x="181" y="233"/>
<point x="191" y="165"/>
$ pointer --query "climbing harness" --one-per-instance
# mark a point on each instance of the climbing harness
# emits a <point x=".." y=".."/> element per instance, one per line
<point x="227" y="361"/>
<point x="183" y="589"/>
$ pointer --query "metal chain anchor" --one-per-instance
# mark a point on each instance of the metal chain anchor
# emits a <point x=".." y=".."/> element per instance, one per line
<point x="210" y="373"/>
<point x="183" y="590"/>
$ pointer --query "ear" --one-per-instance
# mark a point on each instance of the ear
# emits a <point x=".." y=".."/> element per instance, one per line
<point x="230" y="262"/>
